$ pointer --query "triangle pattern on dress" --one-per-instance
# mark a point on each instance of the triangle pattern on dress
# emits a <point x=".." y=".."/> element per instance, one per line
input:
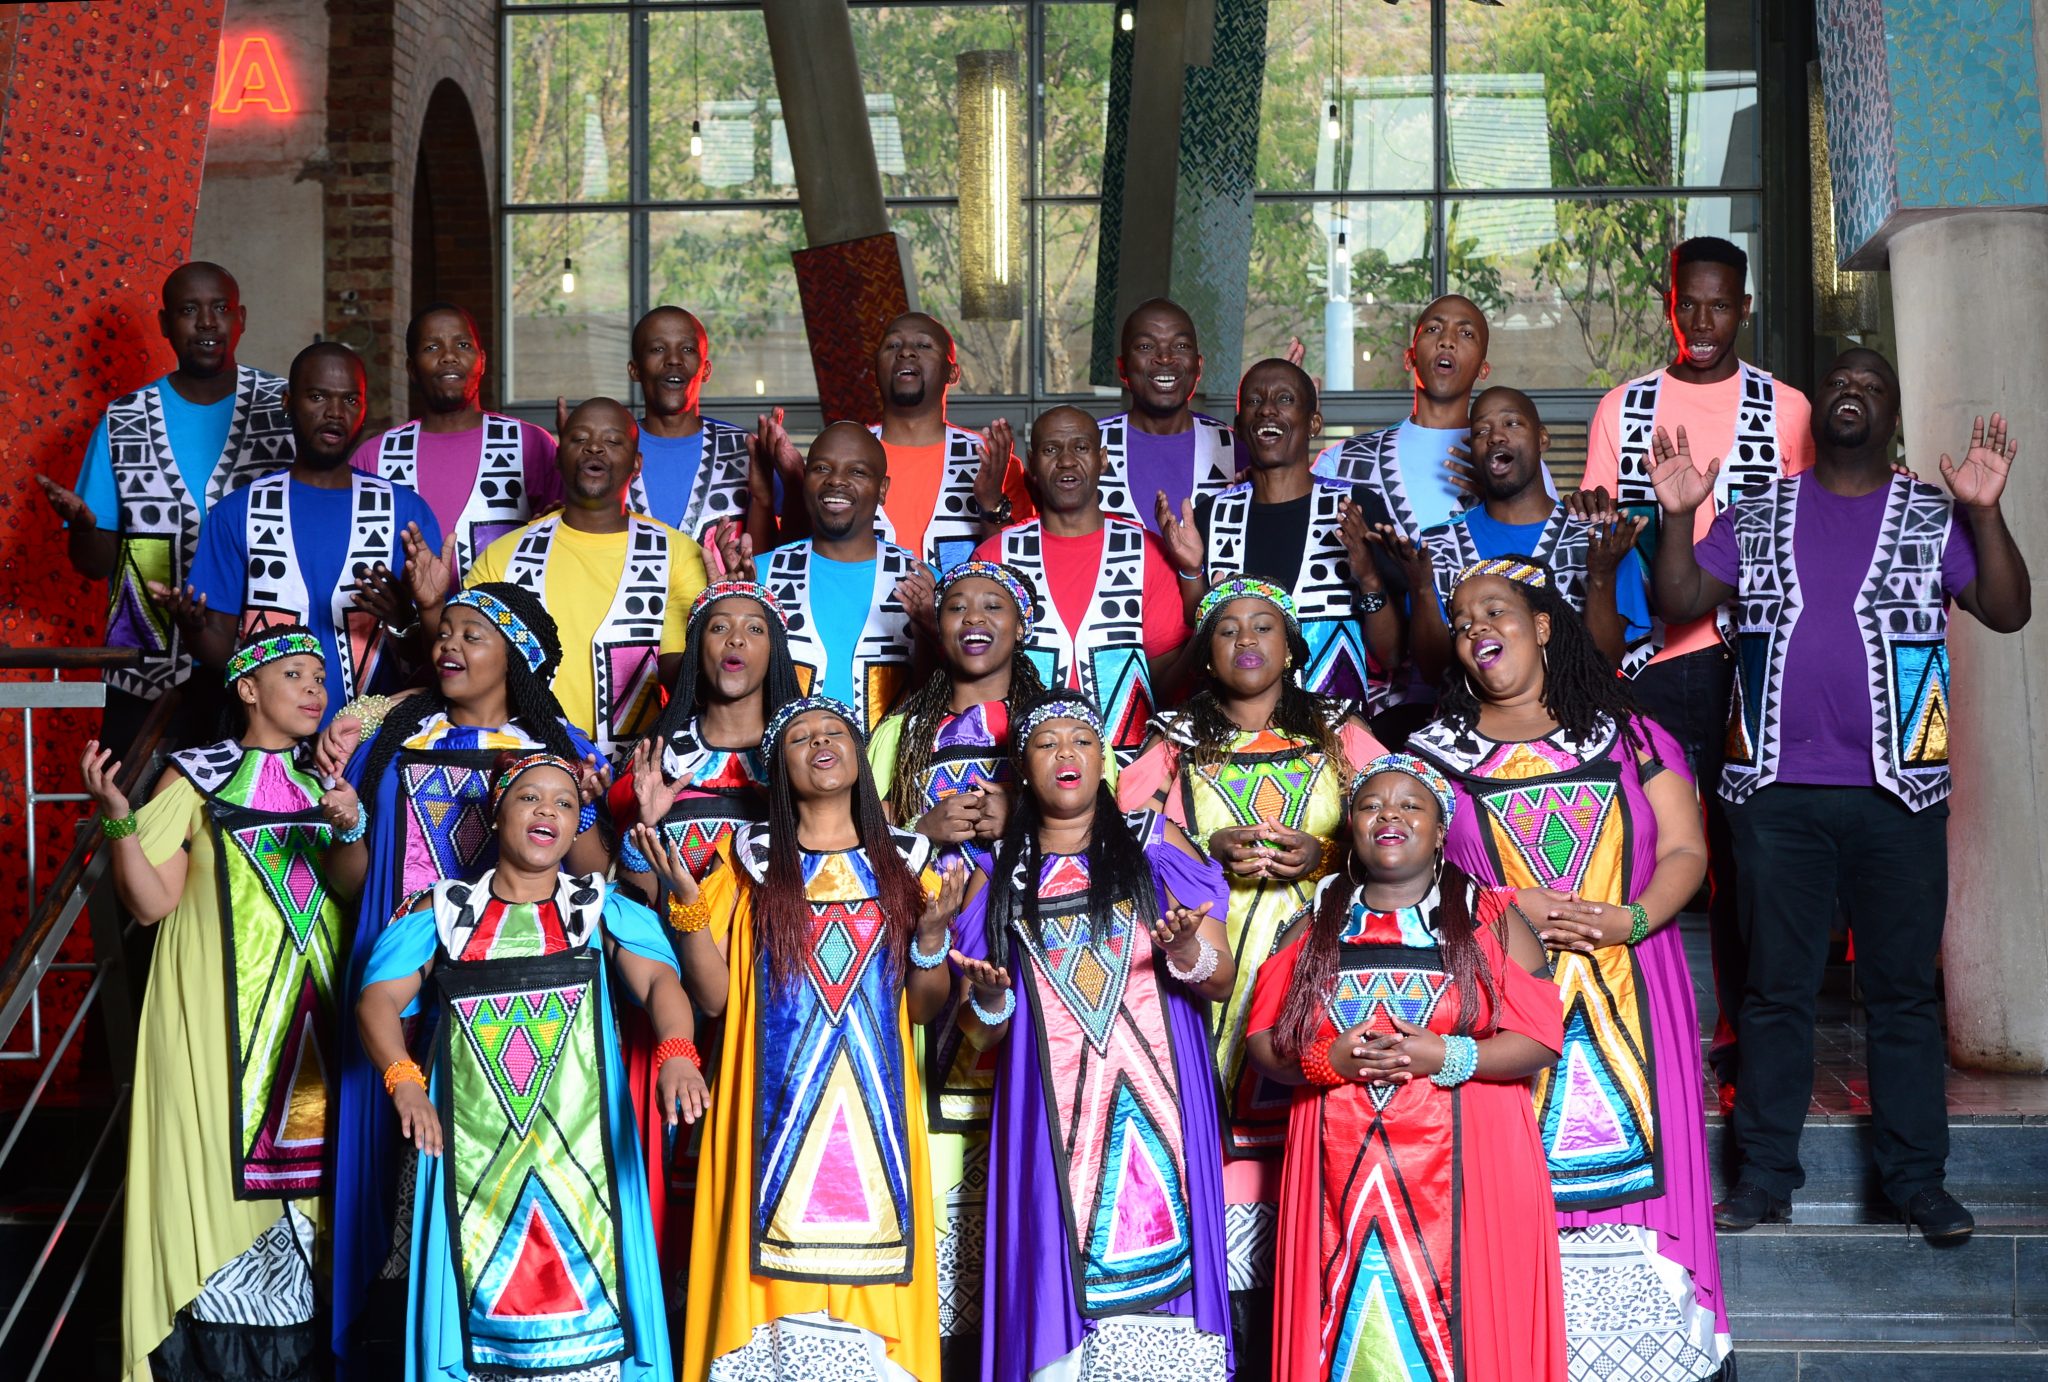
<point x="539" y="1269"/>
<point x="1555" y="828"/>
<point x="281" y="856"/>
<point x="288" y="1149"/>
<point x="518" y="1038"/>
<point x="1141" y="1206"/>
<point x="844" y="937"/>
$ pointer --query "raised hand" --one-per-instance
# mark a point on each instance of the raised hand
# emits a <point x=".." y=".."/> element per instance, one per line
<point x="653" y="793"/>
<point x="989" y="981"/>
<point x="102" y="779"/>
<point x="382" y="595"/>
<point x="772" y="444"/>
<point x="667" y="857"/>
<point x="1174" y="933"/>
<point x="1610" y="541"/>
<point x="735" y="549"/>
<point x="919" y="595"/>
<point x="561" y="415"/>
<point x="1411" y="554"/>
<point x="593" y="779"/>
<point x="1178" y="534"/>
<point x="998" y="443"/>
<point x="1681" y="486"/>
<point x="941" y="911"/>
<point x="1594" y="505"/>
<point x="680" y="1089"/>
<point x="68" y="505"/>
<point x="431" y="574"/>
<point x="337" y="744"/>
<point x="1356" y="534"/>
<point x="1979" y="481"/>
<point x="185" y="605"/>
<point x="341" y="806"/>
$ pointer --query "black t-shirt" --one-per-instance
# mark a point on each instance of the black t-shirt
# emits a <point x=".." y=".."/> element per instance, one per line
<point x="1276" y="537"/>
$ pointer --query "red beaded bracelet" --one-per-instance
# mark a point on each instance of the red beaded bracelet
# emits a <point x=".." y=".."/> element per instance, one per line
<point x="1315" y="1063"/>
<point x="677" y="1046"/>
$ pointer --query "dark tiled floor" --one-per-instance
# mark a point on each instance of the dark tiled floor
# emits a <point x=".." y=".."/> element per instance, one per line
<point x="1841" y="1084"/>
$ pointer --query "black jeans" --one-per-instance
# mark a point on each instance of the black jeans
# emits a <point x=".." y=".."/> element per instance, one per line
<point x="1688" y="696"/>
<point x="1799" y="851"/>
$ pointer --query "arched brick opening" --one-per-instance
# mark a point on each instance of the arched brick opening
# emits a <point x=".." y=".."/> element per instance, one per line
<point x="452" y="243"/>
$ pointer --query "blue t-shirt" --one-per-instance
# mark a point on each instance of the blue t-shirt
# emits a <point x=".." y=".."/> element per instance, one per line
<point x="1494" y="538"/>
<point x="198" y="433"/>
<point x="842" y="593"/>
<point x="321" y="522"/>
<point x="1422" y="453"/>
<point x="668" y="468"/>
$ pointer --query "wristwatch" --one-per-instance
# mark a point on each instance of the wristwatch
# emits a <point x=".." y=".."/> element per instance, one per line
<point x="1372" y="601"/>
<point x="998" y="517"/>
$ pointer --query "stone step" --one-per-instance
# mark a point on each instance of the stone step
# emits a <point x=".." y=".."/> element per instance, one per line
<point x="1994" y="1161"/>
<point x="1895" y="1362"/>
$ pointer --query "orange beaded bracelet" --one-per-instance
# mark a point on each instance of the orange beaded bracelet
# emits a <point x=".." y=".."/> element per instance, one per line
<point x="677" y="1046"/>
<point x="1315" y="1064"/>
<point x="403" y="1072"/>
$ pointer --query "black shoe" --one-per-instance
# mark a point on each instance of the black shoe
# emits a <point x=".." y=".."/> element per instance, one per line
<point x="1748" y="1205"/>
<point x="1939" y="1216"/>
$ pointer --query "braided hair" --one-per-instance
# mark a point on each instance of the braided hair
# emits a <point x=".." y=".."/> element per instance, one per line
<point x="778" y="687"/>
<point x="782" y="909"/>
<point x="927" y="708"/>
<point x="1579" y="682"/>
<point x="528" y="693"/>
<point x="1300" y="714"/>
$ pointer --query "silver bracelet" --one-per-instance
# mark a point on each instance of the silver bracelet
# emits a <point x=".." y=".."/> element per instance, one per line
<point x="992" y="1019"/>
<point x="924" y="961"/>
<point x="1205" y="964"/>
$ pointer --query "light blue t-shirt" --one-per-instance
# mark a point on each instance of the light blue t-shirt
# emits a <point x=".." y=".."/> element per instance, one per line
<point x="1422" y="453"/>
<point x="198" y="433"/>
<point x="321" y="523"/>
<point x="1494" y="538"/>
<point x="842" y="593"/>
<point x="668" y="468"/>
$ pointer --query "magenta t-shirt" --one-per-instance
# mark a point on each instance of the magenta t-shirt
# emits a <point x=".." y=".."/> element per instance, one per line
<point x="1152" y="464"/>
<point x="448" y="463"/>
<point x="1824" y="712"/>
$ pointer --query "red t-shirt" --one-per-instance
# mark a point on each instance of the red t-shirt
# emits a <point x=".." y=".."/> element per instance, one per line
<point x="1072" y="565"/>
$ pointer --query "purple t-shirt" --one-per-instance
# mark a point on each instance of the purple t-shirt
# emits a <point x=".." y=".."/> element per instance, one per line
<point x="1156" y="463"/>
<point x="1824" y="715"/>
<point x="448" y="463"/>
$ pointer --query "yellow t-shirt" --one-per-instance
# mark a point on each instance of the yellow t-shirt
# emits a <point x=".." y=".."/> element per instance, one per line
<point x="584" y="571"/>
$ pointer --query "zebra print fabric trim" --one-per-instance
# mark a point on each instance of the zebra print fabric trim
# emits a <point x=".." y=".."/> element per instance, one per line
<point x="270" y="1284"/>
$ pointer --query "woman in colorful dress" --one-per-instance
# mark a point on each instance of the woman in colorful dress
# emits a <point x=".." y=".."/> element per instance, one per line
<point x="531" y="1251"/>
<point x="1586" y="809"/>
<point x="424" y="762"/>
<point x="1417" y="1236"/>
<point x="824" y="937"/>
<point x="244" y="856"/>
<point x="1105" y="1202"/>
<point x="699" y="776"/>
<point x="1254" y="768"/>
<point x="943" y="766"/>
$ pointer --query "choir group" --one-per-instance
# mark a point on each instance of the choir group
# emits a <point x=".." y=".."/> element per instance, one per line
<point x="1159" y="902"/>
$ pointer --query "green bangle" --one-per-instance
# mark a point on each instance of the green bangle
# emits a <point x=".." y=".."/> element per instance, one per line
<point x="1639" y="927"/>
<point x="119" y="829"/>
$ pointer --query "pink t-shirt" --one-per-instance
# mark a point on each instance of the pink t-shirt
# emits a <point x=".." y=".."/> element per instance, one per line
<point x="1707" y="413"/>
<point x="448" y="464"/>
<point x="1072" y="565"/>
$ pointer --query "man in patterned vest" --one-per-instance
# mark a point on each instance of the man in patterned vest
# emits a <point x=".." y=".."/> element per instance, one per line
<point x="1591" y="563"/>
<point x="483" y="474"/>
<point x="1836" y="775"/>
<point x="1162" y="450"/>
<point x="948" y="487"/>
<point x="157" y="461"/>
<point x="1116" y="612"/>
<point x="1725" y="407"/>
<point x="849" y="629"/>
<point x="319" y="544"/>
<point x="618" y="583"/>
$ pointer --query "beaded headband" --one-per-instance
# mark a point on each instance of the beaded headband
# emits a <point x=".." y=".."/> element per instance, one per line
<point x="759" y="594"/>
<point x="1508" y="569"/>
<point x="1002" y="575"/>
<point x="779" y="721"/>
<point x="1247" y="588"/>
<point x="1059" y="708"/>
<point x="524" y="764"/>
<point x="1420" y="769"/>
<point x="523" y="639"/>
<point x="265" y="650"/>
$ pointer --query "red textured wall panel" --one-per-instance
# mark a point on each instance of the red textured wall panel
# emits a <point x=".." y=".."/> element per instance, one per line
<point x="850" y="291"/>
<point x="102" y="139"/>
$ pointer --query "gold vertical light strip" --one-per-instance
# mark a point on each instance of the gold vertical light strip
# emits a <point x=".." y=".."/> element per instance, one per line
<point x="1844" y="301"/>
<point x="991" y="202"/>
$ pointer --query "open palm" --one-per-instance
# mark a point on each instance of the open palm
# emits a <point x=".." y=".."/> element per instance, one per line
<point x="1979" y="481"/>
<point x="1681" y="486"/>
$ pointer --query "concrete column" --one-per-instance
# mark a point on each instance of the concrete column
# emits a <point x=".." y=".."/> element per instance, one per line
<point x="1966" y="294"/>
<point x="838" y="184"/>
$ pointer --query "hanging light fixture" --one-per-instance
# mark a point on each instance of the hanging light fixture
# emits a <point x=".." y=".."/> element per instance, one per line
<point x="696" y="139"/>
<point x="991" y="176"/>
<point x="1126" y="16"/>
<point x="568" y="277"/>
<point x="1336" y="127"/>
<point x="696" y="83"/>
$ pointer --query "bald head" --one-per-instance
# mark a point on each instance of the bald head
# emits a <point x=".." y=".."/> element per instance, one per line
<point x="850" y="439"/>
<point x="846" y="478"/>
<point x="325" y="400"/>
<point x="202" y="319"/>
<point x="1159" y="360"/>
<point x="1508" y="440"/>
<point x="601" y="411"/>
<point x="915" y="364"/>
<point x="1856" y="407"/>
<point x="1066" y="418"/>
<point x="598" y="458"/>
<point x="1447" y="354"/>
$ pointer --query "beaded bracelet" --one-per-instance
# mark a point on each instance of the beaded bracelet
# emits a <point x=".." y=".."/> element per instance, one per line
<point x="925" y="961"/>
<point x="1639" y="924"/>
<point x="631" y="860"/>
<point x="1461" y="1059"/>
<point x="119" y="829"/>
<point x="587" y="817"/>
<point x="367" y="711"/>
<point x="687" y="917"/>
<point x="1205" y="964"/>
<point x="992" y="1019"/>
<point x="1315" y="1064"/>
<point x="403" y="1072"/>
<point x="677" y="1046"/>
<point x="356" y="831"/>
